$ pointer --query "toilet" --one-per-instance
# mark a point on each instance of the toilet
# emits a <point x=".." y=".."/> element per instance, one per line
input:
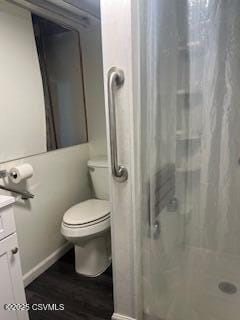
<point x="87" y="225"/>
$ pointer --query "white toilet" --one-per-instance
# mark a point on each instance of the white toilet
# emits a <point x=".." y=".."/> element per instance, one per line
<point x="87" y="225"/>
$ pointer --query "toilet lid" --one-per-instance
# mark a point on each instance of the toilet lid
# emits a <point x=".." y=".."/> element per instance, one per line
<point x="87" y="211"/>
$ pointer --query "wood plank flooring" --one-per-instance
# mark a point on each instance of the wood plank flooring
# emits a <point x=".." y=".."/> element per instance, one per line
<point x="83" y="298"/>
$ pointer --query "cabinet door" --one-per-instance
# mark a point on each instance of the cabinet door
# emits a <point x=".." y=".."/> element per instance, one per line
<point x="12" y="290"/>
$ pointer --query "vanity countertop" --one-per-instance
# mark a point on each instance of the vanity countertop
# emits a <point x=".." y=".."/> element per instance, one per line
<point x="6" y="200"/>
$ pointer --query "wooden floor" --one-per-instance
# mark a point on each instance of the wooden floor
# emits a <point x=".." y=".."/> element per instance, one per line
<point x="83" y="298"/>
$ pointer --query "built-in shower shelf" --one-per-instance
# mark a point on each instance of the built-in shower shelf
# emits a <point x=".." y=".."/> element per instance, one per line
<point x="194" y="46"/>
<point x="187" y="169"/>
<point x="191" y="44"/>
<point x="183" y="136"/>
<point x="186" y="138"/>
<point x="186" y="94"/>
<point x="182" y="92"/>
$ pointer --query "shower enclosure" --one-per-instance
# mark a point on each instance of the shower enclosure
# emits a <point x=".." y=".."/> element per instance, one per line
<point x="176" y="218"/>
<point x="190" y="154"/>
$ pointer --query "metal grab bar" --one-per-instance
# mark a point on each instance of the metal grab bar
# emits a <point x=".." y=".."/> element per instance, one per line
<point x="25" y="194"/>
<point x="115" y="81"/>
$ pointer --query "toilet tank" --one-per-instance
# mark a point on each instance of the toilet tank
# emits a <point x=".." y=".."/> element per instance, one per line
<point x="98" y="169"/>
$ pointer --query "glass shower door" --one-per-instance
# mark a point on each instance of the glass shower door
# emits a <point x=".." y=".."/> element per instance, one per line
<point x="190" y="149"/>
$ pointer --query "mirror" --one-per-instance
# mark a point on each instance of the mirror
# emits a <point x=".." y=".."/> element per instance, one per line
<point x="60" y="62"/>
<point x="42" y="89"/>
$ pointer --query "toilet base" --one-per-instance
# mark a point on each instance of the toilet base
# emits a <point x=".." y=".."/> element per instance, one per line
<point x="93" y="255"/>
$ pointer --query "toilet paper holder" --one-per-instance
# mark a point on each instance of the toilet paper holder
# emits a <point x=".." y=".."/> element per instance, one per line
<point x="25" y="195"/>
<point x="5" y="174"/>
<point x="18" y="173"/>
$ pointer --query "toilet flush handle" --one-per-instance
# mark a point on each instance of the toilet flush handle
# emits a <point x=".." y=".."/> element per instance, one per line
<point x="14" y="250"/>
<point x="115" y="81"/>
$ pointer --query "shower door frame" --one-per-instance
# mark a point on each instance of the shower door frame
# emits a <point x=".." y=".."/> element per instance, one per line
<point x="120" y="43"/>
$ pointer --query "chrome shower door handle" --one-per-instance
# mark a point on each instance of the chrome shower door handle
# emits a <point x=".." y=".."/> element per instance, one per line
<point x="115" y="82"/>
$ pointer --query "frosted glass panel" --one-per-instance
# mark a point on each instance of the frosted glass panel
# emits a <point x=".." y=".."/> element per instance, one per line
<point x="190" y="159"/>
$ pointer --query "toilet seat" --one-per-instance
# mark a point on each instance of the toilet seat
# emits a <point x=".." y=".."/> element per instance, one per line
<point x="87" y="218"/>
<point x="87" y="213"/>
<point x="72" y="233"/>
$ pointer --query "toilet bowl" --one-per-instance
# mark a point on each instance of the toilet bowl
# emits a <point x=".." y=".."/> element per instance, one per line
<point x="87" y="225"/>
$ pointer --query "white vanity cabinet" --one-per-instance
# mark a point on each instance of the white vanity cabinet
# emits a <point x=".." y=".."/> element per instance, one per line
<point x="11" y="283"/>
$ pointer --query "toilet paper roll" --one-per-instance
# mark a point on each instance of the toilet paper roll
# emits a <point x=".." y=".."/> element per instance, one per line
<point x="21" y="172"/>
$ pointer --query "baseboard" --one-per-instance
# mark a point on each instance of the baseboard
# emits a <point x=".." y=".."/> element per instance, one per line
<point x="45" y="264"/>
<point x="117" y="316"/>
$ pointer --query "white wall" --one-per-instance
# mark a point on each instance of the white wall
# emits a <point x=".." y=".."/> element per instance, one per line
<point x="60" y="177"/>
<point x="60" y="180"/>
<point x="22" y="101"/>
